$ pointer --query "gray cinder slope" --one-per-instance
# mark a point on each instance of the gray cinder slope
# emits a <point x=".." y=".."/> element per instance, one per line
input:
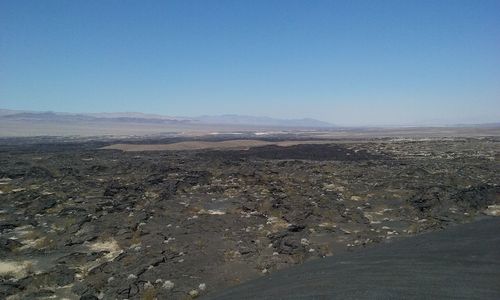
<point x="461" y="262"/>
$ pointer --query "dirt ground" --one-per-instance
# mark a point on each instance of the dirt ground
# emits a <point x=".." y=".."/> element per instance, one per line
<point x="201" y="145"/>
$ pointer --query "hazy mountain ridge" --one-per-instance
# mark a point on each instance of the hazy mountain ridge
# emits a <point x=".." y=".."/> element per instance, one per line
<point x="136" y="117"/>
<point x="244" y="119"/>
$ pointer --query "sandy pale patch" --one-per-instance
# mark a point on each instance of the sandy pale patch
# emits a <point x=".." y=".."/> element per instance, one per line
<point x="493" y="210"/>
<point x="201" y="145"/>
<point x="112" y="250"/>
<point x="110" y="246"/>
<point x="16" y="269"/>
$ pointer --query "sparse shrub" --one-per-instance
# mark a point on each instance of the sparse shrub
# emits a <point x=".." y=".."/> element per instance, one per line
<point x="68" y="222"/>
<point x="31" y="235"/>
<point x="149" y="293"/>
<point x="231" y="255"/>
<point x="45" y="243"/>
<point x="84" y="270"/>
<point x="276" y="213"/>
<point x="235" y="280"/>
<point x="128" y="260"/>
<point x="200" y="244"/>
<point x="42" y="281"/>
<point x="29" y="268"/>
<point x="136" y="237"/>
<point x="325" y="250"/>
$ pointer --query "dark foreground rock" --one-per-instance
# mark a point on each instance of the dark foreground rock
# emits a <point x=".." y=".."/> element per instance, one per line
<point x="77" y="221"/>
<point x="461" y="262"/>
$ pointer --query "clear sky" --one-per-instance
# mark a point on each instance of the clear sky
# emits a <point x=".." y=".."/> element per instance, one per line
<point x="346" y="62"/>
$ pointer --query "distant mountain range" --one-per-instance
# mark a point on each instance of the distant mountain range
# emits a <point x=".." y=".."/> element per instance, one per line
<point x="251" y="120"/>
<point x="135" y="117"/>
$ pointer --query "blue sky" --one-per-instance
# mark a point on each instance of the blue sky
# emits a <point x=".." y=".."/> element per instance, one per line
<point x="346" y="62"/>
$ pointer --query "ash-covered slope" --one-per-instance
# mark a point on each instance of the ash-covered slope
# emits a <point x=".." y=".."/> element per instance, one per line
<point x="461" y="262"/>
